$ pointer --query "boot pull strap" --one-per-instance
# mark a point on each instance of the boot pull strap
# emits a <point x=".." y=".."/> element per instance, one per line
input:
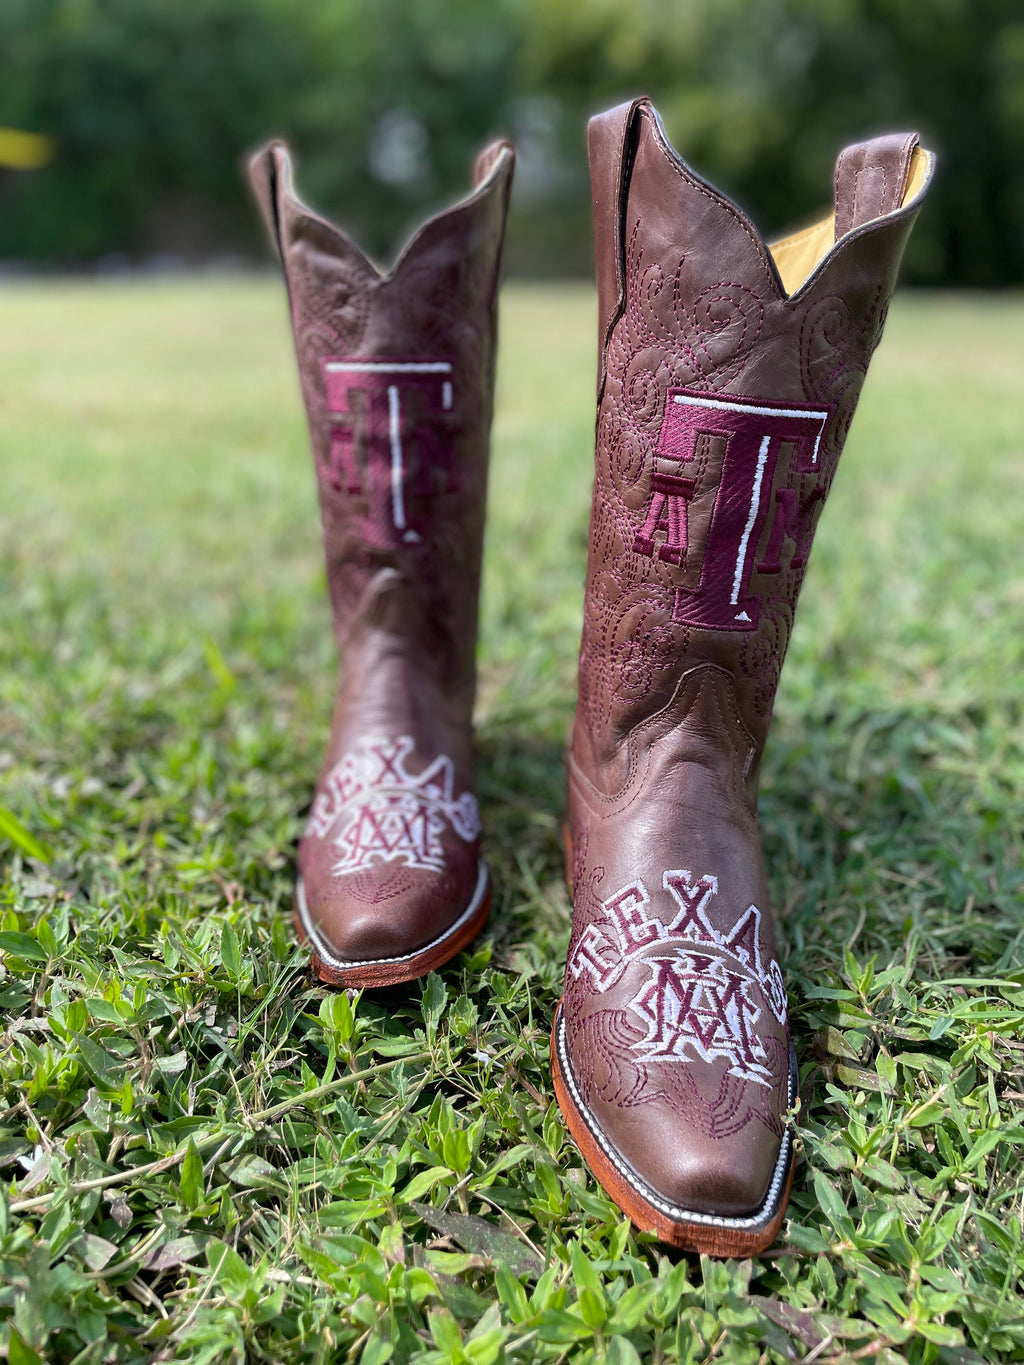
<point x="488" y="159"/>
<point x="871" y="178"/>
<point x="267" y="170"/>
<point x="611" y="142"/>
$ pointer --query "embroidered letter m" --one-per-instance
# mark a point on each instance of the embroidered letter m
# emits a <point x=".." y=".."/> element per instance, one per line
<point x="714" y="504"/>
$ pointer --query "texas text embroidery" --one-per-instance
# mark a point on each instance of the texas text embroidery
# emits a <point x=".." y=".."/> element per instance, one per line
<point x="714" y="590"/>
<point x="703" y="992"/>
<point x="387" y="436"/>
<point x="384" y="813"/>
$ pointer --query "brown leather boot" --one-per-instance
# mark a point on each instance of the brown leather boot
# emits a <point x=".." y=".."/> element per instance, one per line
<point x="397" y="373"/>
<point x="729" y="373"/>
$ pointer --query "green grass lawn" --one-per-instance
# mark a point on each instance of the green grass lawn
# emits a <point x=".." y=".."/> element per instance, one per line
<point x="209" y="1159"/>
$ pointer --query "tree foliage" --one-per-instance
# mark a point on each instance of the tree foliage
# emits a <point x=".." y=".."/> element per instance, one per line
<point x="153" y="103"/>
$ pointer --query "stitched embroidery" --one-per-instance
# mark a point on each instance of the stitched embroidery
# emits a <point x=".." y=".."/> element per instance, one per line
<point x="737" y="470"/>
<point x="705" y="990"/>
<point x="696" y="1007"/>
<point x="388" y="438"/>
<point x="676" y="334"/>
<point x="384" y="813"/>
<point x="633" y="930"/>
<point x="610" y="1070"/>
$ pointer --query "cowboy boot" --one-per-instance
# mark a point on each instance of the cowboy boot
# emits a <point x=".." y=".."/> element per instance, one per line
<point x="397" y="374"/>
<point x="728" y="376"/>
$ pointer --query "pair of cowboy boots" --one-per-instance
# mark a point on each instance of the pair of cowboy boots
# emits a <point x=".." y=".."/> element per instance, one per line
<point x="728" y="376"/>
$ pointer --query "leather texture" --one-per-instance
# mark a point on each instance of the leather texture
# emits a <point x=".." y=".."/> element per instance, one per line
<point x="723" y="407"/>
<point x="397" y="373"/>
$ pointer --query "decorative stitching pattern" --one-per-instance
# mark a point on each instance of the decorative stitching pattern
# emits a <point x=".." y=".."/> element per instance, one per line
<point x="704" y="991"/>
<point x="715" y="592"/>
<point x="708" y="1100"/>
<point x="779" y="1171"/>
<point x="325" y="950"/>
<point x="649" y="530"/>
<point x="389" y="437"/>
<point x="384" y="813"/>
<point x="439" y="303"/>
<point x="704" y="510"/>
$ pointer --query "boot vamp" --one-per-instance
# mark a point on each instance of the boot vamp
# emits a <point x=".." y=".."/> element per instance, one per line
<point x="391" y="882"/>
<point x="389" y="859"/>
<point x="675" y="1006"/>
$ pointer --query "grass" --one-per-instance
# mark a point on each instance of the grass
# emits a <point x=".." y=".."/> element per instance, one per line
<point x="208" y="1158"/>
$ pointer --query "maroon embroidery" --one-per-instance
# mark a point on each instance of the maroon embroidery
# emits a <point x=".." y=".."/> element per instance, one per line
<point x="592" y="955"/>
<point x="697" y="1008"/>
<point x="739" y="467"/>
<point x="669" y="495"/>
<point x="625" y="911"/>
<point x="651" y="538"/>
<point x="389" y="439"/>
<point x="606" y="1049"/>
<point x="704" y="991"/>
<point x="692" y="897"/>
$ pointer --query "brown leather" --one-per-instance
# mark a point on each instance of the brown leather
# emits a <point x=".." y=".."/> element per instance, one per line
<point x="611" y="155"/>
<point x="397" y="373"/>
<point x="869" y="179"/>
<point x="721" y="418"/>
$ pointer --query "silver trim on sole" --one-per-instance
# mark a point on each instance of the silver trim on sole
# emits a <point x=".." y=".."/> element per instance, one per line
<point x="764" y="1215"/>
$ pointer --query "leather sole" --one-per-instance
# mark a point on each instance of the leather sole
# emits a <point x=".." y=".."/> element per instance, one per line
<point x="393" y="971"/>
<point x="708" y="1234"/>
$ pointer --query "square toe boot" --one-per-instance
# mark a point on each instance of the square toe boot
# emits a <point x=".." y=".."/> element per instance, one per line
<point x="728" y="375"/>
<point x="397" y="374"/>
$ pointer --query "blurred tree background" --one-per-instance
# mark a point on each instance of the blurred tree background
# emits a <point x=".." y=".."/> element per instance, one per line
<point x="152" y="104"/>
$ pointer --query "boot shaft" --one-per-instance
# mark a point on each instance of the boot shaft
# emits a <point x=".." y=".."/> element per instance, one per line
<point x="728" y="377"/>
<point x="397" y="374"/>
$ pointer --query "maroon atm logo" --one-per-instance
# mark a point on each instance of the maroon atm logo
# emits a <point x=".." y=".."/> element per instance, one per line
<point x="736" y="471"/>
<point x="389" y="439"/>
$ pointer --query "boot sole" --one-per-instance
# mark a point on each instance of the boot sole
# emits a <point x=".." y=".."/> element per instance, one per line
<point x="706" y="1233"/>
<point x="393" y="971"/>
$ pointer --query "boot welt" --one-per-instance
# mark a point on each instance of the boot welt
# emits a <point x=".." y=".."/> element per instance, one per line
<point x="393" y="971"/>
<point x="705" y="1233"/>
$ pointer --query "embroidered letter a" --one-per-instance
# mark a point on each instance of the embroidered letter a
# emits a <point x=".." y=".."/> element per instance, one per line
<point x="714" y="508"/>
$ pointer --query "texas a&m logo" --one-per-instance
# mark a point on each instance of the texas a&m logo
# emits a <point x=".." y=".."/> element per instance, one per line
<point x="389" y="436"/>
<point x="381" y="812"/>
<point x="715" y="465"/>
<point x="704" y="990"/>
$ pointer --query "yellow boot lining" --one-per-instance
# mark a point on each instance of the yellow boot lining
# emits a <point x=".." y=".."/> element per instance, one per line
<point x="797" y="255"/>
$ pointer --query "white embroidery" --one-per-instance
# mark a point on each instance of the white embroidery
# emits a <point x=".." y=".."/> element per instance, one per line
<point x="384" y="813"/>
<point x="691" y="401"/>
<point x="737" y="612"/>
<point x="695" y="1006"/>
<point x="755" y="503"/>
<point x="704" y="990"/>
<point x="633" y="930"/>
<point x="388" y="367"/>
<point x="394" y="397"/>
<point x="397" y="472"/>
<point x="742" y="942"/>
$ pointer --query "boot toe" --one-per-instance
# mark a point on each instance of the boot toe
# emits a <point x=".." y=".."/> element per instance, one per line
<point x="686" y="1141"/>
<point x="733" y="1181"/>
<point x="388" y="914"/>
